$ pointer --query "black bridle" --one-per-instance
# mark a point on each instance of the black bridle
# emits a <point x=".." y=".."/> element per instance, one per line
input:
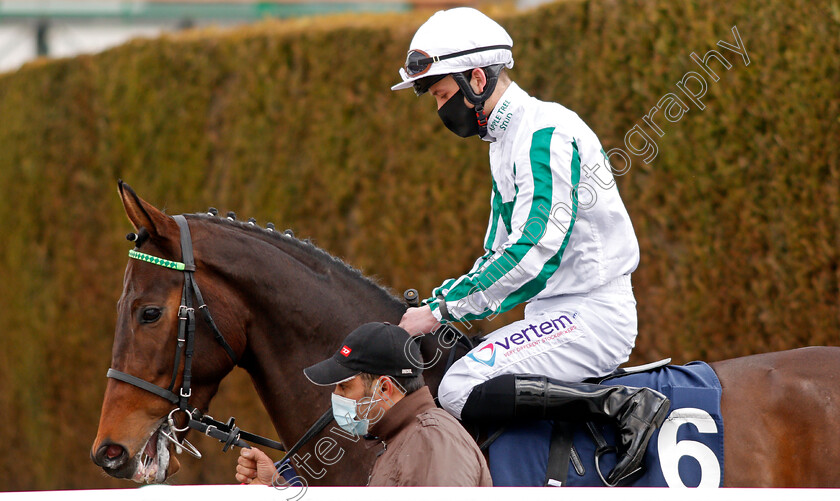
<point x="227" y="433"/>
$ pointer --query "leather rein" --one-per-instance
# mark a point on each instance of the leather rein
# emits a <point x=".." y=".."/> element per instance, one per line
<point x="227" y="433"/>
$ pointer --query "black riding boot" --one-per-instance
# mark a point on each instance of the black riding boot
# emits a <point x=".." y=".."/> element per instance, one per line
<point x="637" y="411"/>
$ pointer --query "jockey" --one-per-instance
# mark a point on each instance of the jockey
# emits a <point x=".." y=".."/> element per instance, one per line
<point x="559" y="238"/>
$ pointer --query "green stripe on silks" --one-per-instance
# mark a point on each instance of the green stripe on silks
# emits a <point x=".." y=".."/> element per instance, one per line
<point x="467" y="276"/>
<point x="494" y="217"/>
<point x="537" y="284"/>
<point x="540" y="156"/>
<point x="175" y="265"/>
<point x="610" y="169"/>
<point x="438" y="290"/>
<point x="502" y="210"/>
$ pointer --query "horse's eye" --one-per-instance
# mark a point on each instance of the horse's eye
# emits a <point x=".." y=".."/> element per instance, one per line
<point x="150" y="315"/>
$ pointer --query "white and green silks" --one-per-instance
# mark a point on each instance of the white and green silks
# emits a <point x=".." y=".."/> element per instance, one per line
<point x="557" y="225"/>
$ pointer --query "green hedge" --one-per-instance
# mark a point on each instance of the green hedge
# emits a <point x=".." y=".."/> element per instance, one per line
<point x="738" y="216"/>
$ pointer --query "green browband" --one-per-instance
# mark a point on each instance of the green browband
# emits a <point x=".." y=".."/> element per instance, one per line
<point x="175" y="265"/>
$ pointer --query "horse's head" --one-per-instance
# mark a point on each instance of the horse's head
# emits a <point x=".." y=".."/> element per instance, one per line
<point x="130" y="442"/>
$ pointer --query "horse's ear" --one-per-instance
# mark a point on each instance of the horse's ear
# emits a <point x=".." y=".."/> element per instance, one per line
<point x="144" y="215"/>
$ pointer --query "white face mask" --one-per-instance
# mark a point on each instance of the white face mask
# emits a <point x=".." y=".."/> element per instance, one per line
<point x="344" y="412"/>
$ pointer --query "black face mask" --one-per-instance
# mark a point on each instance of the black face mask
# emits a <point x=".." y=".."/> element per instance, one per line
<point x="457" y="117"/>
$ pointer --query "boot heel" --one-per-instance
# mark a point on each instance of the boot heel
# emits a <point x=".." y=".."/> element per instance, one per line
<point x="661" y="414"/>
<point x="636" y="459"/>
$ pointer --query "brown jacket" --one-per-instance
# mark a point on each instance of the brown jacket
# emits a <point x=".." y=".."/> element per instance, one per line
<point x="425" y="446"/>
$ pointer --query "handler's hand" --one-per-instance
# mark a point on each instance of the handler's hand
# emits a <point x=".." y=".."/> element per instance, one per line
<point x="254" y="467"/>
<point x="419" y="321"/>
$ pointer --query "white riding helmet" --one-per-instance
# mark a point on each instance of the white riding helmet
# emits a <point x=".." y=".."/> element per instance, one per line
<point x="452" y="41"/>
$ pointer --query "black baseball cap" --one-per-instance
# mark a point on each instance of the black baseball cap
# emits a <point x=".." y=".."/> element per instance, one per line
<point x="376" y="348"/>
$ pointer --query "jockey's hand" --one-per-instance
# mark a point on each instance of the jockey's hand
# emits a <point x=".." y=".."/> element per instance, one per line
<point x="419" y="321"/>
<point x="254" y="467"/>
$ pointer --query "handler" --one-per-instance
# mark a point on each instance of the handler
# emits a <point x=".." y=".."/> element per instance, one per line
<point x="559" y="238"/>
<point x="380" y="394"/>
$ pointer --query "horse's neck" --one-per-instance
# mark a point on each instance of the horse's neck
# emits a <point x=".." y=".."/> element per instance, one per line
<point x="301" y="306"/>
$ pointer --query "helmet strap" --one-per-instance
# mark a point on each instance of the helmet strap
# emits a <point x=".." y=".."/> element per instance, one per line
<point x="482" y="119"/>
<point x="478" y="100"/>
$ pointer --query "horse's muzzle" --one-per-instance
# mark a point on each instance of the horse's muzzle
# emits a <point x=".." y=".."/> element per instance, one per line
<point x="114" y="459"/>
<point x="149" y="465"/>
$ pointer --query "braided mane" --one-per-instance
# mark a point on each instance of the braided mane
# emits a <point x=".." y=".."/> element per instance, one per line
<point x="280" y="238"/>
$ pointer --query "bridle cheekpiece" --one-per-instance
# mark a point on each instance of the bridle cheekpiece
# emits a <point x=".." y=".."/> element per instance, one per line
<point x="227" y="433"/>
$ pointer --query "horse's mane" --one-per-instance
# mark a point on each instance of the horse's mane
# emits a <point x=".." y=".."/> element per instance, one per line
<point x="280" y="238"/>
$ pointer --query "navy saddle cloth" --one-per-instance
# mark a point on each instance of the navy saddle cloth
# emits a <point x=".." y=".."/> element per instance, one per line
<point x="686" y="451"/>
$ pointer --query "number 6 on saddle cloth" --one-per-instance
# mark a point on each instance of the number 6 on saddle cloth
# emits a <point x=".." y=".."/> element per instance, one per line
<point x="687" y="451"/>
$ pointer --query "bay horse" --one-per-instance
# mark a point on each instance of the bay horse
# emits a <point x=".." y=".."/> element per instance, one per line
<point x="282" y="304"/>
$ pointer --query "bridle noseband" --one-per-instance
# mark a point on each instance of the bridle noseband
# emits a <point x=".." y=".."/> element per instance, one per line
<point x="227" y="433"/>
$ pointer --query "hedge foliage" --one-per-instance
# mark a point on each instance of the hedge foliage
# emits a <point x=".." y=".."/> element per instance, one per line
<point x="738" y="216"/>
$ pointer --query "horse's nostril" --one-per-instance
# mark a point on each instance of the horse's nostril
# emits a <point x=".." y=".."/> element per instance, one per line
<point x="113" y="451"/>
<point x="114" y="459"/>
<point x="110" y="455"/>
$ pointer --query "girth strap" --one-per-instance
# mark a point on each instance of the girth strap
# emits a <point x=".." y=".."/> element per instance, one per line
<point x="492" y="438"/>
<point x="559" y="454"/>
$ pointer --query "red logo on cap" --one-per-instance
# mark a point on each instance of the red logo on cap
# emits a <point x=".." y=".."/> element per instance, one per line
<point x="346" y="350"/>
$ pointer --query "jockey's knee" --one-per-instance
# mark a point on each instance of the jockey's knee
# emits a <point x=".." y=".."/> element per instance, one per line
<point x="453" y="392"/>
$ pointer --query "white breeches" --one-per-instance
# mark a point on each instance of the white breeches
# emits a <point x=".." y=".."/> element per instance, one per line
<point x="569" y="338"/>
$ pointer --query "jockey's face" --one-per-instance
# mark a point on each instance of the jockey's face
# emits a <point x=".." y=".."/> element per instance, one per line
<point x="447" y="87"/>
<point x="443" y="90"/>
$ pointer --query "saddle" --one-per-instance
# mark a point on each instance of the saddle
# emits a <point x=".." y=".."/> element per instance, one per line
<point x="686" y="451"/>
<point x="625" y="371"/>
<point x="562" y="451"/>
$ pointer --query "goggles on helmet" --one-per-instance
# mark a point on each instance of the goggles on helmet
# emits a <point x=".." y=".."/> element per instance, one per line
<point x="419" y="62"/>
<point x="422" y="85"/>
